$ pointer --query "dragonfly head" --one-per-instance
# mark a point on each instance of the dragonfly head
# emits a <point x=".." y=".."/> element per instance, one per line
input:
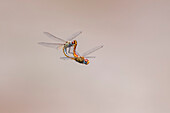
<point x="68" y="42"/>
<point x="86" y="61"/>
<point x="74" y="42"/>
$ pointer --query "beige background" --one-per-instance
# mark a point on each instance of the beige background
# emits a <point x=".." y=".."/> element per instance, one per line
<point x="130" y="74"/>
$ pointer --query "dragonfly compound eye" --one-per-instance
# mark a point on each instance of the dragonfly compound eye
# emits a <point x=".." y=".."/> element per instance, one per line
<point x="73" y="42"/>
<point x="87" y="62"/>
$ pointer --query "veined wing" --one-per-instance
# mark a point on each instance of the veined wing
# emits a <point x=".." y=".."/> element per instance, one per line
<point x="54" y="37"/>
<point x="90" y="57"/>
<point x="91" y="50"/>
<point x="78" y="53"/>
<point x="74" y="36"/>
<point x="52" y="45"/>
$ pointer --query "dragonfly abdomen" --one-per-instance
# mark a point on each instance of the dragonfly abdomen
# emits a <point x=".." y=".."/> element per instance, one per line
<point x="79" y="59"/>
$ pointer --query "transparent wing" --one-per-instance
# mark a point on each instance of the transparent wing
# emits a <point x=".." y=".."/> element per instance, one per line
<point x="54" y="37"/>
<point x="90" y="57"/>
<point x="52" y="45"/>
<point x="60" y="46"/>
<point x="74" y="36"/>
<point x="92" y="50"/>
<point x="77" y="53"/>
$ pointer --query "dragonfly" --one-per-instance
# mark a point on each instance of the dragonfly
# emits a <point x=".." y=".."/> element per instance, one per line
<point x="64" y="43"/>
<point x="83" y="59"/>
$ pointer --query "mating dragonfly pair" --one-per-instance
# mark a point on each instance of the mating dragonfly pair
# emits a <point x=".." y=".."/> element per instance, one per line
<point x="69" y="44"/>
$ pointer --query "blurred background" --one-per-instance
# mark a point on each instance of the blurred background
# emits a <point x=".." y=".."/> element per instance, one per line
<point x="129" y="75"/>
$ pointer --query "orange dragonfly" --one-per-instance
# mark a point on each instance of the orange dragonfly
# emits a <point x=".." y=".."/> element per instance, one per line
<point x="83" y="59"/>
<point x="64" y="43"/>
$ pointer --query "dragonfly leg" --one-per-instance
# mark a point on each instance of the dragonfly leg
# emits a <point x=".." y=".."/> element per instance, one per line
<point x="69" y="50"/>
<point x="66" y="51"/>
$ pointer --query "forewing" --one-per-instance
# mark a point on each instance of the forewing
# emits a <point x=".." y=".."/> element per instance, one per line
<point x="52" y="45"/>
<point x="91" y="50"/>
<point x="74" y="36"/>
<point x="54" y="37"/>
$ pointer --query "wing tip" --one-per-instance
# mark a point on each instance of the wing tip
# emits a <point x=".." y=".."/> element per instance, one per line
<point x="45" y="32"/>
<point x="41" y="43"/>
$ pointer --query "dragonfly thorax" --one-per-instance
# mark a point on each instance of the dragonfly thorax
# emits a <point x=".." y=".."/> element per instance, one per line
<point x="67" y="44"/>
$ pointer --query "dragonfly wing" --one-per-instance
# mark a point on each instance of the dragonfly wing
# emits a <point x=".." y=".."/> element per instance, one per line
<point x="92" y="50"/>
<point x="74" y="36"/>
<point x="78" y="53"/>
<point x="54" y="37"/>
<point x="90" y="57"/>
<point x="60" y="46"/>
<point x="52" y="45"/>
